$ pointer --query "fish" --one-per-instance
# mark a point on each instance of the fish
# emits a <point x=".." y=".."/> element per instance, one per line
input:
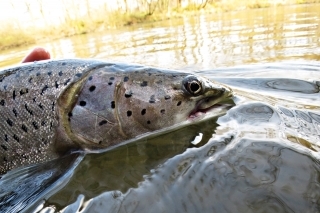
<point x="52" y="108"/>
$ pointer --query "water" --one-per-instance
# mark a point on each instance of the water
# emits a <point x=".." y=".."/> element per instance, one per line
<point x="262" y="156"/>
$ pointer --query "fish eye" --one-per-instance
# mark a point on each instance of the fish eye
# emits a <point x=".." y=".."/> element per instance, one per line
<point x="192" y="85"/>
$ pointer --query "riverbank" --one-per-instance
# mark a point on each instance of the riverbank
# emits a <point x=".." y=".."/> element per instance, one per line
<point x="16" y="32"/>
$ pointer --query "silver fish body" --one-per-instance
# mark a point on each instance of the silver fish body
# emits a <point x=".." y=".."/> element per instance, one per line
<point x="48" y="109"/>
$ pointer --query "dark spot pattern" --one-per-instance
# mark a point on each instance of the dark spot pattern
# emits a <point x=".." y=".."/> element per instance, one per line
<point x="67" y="81"/>
<point x="63" y="63"/>
<point x="179" y="103"/>
<point x="126" y="78"/>
<point x="30" y="80"/>
<point x="144" y="84"/>
<point x="148" y="122"/>
<point x="24" y="128"/>
<point x="163" y="111"/>
<point x="6" y="137"/>
<point x="53" y="105"/>
<point x="152" y="99"/>
<point x="56" y="84"/>
<point x="38" y="74"/>
<point x="4" y="147"/>
<point x="143" y="111"/>
<point x="49" y="73"/>
<point x="128" y="94"/>
<point x="44" y="89"/>
<point x="167" y="97"/>
<point x="60" y="73"/>
<point x="129" y="113"/>
<point x="70" y="114"/>
<point x="14" y="95"/>
<point x="90" y="78"/>
<point x="24" y="91"/>
<point x="16" y="137"/>
<point x="110" y="83"/>
<point x="113" y="104"/>
<point x="78" y="75"/>
<point x="103" y="122"/>
<point x="28" y="110"/>
<point x="10" y="123"/>
<point x="43" y="123"/>
<point x="15" y="112"/>
<point x="35" y="125"/>
<point x="92" y="88"/>
<point x="83" y="103"/>
<point x="111" y="78"/>
<point x="40" y="106"/>
<point x="2" y="102"/>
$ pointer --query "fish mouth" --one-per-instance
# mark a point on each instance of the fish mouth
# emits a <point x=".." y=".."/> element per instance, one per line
<point x="212" y="106"/>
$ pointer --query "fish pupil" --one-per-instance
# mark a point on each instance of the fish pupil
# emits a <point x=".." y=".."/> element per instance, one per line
<point x="194" y="87"/>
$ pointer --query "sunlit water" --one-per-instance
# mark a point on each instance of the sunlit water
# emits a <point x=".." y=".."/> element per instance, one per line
<point x="262" y="156"/>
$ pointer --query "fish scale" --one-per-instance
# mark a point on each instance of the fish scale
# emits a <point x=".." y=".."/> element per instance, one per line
<point x="40" y="122"/>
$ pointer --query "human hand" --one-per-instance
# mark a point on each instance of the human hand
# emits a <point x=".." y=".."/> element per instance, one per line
<point x="37" y="54"/>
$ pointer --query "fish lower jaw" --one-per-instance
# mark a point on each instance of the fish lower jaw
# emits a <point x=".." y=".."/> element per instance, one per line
<point x="201" y="113"/>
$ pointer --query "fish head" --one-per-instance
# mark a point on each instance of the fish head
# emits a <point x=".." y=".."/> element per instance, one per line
<point x="114" y="105"/>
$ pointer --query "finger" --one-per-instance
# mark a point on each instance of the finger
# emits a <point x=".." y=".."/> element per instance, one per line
<point x="37" y="54"/>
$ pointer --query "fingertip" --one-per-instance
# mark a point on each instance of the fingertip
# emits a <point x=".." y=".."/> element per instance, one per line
<point x="37" y="54"/>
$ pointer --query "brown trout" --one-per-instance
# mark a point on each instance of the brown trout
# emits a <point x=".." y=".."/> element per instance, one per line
<point x="51" y="108"/>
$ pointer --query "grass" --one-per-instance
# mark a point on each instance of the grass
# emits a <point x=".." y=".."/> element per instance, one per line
<point x="101" y="20"/>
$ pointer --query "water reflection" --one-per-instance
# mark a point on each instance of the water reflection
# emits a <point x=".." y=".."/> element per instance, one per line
<point x="202" y="41"/>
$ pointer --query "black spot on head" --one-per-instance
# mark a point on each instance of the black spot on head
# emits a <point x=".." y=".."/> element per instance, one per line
<point x="70" y="114"/>
<point x="126" y="78"/>
<point x="148" y="122"/>
<point x="110" y="83"/>
<point x="167" y="97"/>
<point x="100" y="142"/>
<point x="4" y="147"/>
<point x="24" y="128"/>
<point x="78" y="75"/>
<point x="152" y="99"/>
<point x="82" y="103"/>
<point x="67" y="81"/>
<point x="92" y="88"/>
<point x="129" y="113"/>
<point x="56" y="84"/>
<point x="144" y="84"/>
<point x="10" y="122"/>
<point x="52" y="108"/>
<point x="111" y="78"/>
<point x="14" y="95"/>
<point x="44" y="89"/>
<point x="128" y="94"/>
<point x="24" y="91"/>
<point x="49" y="73"/>
<point x="35" y="125"/>
<point x="43" y="123"/>
<point x="63" y="63"/>
<point x="162" y="111"/>
<point x="60" y="73"/>
<point x="179" y="103"/>
<point x="2" y="102"/>
<point x="149" y="74"/>
<point x="34" y="99"/>
<point x="143" y="111"/>
<point x="103" y="122"/>
<point x="5" y="159"/>
<point x="6" y="137"/>
<point x="30" y="80"/>
<point x="90" y="78"/>
<point x="113" y="104"/>
<point x="38" y="74"/>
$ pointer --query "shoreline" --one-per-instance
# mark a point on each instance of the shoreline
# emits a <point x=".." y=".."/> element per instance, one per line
<point x="11" y="38"/>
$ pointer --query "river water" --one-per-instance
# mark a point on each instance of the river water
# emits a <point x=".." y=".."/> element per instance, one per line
<point x="262" y="156"/>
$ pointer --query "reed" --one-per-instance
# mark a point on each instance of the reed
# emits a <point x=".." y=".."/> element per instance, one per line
<point x="76" y="21"/>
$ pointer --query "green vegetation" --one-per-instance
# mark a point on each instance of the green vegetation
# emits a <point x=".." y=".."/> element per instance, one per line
<point x="13" y="34"/>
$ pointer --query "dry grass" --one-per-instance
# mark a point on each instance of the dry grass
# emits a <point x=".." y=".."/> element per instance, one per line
<point x="12" y="36"/>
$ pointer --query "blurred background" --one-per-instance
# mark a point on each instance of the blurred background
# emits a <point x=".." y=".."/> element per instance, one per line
<point x="183" y="34"/>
